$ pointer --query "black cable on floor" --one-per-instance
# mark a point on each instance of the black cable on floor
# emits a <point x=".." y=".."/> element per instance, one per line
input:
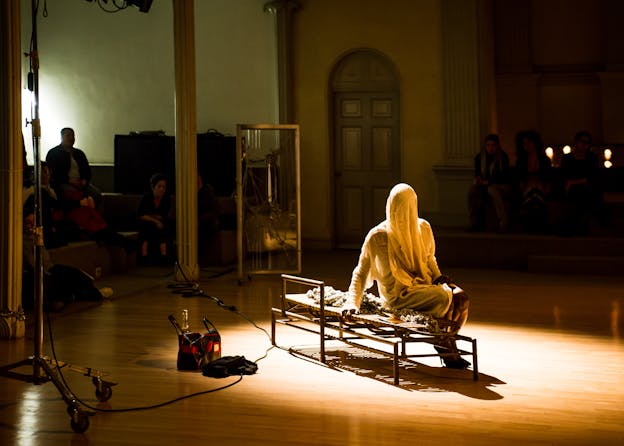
<point x="193" y="289"/>
<point x="129" y="409"/>
<point x="186" y="289"/>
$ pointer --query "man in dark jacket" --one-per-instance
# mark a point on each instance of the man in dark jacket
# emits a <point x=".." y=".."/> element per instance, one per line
<point x="71" y="173"/>
<point x="491" y="182"/>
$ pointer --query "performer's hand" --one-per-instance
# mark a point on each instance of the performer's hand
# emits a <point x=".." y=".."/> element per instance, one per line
<point x="349" y="310"/>
<point x="442" y="279"/>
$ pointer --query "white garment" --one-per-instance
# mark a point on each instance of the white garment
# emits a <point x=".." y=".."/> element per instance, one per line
<point x="399" y="254"/>
<point x="74" y="171"/>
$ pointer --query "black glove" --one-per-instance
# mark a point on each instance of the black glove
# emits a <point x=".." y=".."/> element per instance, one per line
<point x="442" y="279"/>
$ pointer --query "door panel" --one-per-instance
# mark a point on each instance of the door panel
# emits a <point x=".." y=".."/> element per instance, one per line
<point x="352" y="148"/>
<point x="382" y="148"/>
<point x="351" y="108"/>
<point x="382" y="108"/>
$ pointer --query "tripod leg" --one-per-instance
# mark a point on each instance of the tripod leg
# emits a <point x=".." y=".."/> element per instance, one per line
<point x="79" y="416"/>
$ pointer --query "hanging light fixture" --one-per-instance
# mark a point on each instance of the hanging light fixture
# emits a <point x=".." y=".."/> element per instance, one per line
<point x="119" y="5"/>
<point x="143" y="5"/>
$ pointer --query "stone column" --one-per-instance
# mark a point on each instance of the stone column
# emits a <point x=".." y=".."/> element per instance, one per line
<point x="460" y="81"/>
<point x="186" y="140"/>
<point x="469" y="101"/>
<point x="11" y="172"/>
<point x="283" y="11"/>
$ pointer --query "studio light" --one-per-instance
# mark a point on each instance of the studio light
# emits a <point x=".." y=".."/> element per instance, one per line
<point x="120" y="5"/>
<point x="143" y="5"/>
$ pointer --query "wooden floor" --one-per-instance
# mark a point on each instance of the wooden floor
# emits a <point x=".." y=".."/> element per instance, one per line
<point x="551" y="361"/>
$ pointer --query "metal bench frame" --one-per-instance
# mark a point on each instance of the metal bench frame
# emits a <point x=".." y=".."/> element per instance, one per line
<point x="299" y="311"/>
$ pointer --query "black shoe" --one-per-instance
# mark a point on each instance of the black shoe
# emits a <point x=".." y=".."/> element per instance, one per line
<point x="456" y="363"/>
<point x="453" y="360"/>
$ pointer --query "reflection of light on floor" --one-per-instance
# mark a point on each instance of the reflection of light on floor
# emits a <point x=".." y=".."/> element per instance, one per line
<point x="531" y="380"/>
<point x="29" y="414"/>
<point x="529" y="377"/>
<point x="557" y="316"/>
<point x="561" y="372"/>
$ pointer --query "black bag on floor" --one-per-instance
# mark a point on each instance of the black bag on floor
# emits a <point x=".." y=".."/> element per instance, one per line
<point x="69" y="283"/>
<point x="228" y="366"/>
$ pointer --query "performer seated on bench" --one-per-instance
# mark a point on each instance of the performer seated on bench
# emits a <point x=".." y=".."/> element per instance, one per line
<point x="399" y="253"/>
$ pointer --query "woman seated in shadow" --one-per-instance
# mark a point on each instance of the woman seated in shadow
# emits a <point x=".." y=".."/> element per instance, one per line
<point x="534" y="175"/>
<point x="154" y="222"/>
<point x="56" y="229"/>
<point x="492" y="182"/>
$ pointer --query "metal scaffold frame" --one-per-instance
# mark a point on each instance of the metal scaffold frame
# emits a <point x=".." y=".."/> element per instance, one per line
<point x="268" y="203"/>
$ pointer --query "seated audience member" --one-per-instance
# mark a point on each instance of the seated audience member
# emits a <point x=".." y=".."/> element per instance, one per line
<point x="399" y="254"/>
<point x="78" y="198"/>
<point x="55" y="227"/>
<point x="534" y="175"/>
<point x="491" y="181"/>
<point x="71" y="172"/>
<point x="583" y="195"/>
<point x="62" y="284"/>
<point x="87" y="220"/>
<point x="154" y="224"/>
<point x="208" y="216"/>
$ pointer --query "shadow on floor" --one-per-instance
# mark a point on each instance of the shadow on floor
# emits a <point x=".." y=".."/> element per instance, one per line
<point x="415" y="377"/>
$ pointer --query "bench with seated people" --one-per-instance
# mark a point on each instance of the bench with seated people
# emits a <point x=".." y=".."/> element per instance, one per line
<point x="119" y="211"/>
<point x="533" y="195"/>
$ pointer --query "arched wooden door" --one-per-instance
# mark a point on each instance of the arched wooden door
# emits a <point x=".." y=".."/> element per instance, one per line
<point x="366" y="147"/>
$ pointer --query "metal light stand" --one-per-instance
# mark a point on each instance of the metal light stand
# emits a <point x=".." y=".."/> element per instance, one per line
<point x="47" y="369"/>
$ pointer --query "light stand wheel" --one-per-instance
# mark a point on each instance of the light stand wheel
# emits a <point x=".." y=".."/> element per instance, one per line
<point x="79" y="420"/>
<point x="103" y="390"/>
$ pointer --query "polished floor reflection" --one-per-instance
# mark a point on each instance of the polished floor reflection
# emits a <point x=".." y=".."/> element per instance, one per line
<point x="550" y="356"/>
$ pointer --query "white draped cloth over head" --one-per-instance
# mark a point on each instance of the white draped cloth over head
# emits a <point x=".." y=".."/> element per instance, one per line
<point x="399" y="254"/>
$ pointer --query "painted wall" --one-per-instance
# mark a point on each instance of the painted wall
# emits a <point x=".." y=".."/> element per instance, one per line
<point x="560" y="70"/>
<point x="106" y="74"/>
<point x="408" y="33"/>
